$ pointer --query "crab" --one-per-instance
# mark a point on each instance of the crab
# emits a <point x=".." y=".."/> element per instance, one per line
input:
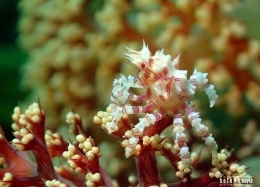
<point x="168" y="92"/>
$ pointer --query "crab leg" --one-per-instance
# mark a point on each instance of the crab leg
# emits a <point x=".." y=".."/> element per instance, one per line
<point x="128" y="109"/>
<point x="121" y="94"/>
<point x="181" y="140"/>
<point x="202" y="130"/>
<point x="198" y="79"/>
<point x="138" y="131"/>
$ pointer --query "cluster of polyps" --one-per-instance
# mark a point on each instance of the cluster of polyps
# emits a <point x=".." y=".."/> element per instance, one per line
<point x="18" y="169"/>
<point x="168" y="92"/>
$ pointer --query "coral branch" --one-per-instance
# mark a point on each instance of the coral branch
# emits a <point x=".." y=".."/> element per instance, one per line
<point x="147" y="169"/>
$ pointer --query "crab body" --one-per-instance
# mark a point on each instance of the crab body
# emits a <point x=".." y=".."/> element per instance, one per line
<point x="167" y="86"/>
<point x="163" y="98"/>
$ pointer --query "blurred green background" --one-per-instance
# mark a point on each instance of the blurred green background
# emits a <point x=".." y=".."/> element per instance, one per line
<point x="11" y="59"/>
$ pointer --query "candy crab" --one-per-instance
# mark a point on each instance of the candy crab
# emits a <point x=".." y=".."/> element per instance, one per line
<point x="168" y="92"/>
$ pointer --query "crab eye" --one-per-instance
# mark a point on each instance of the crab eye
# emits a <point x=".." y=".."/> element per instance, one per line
<point x="142" y="65"/>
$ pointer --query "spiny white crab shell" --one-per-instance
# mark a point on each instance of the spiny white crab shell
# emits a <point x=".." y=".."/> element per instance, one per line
<point x="160" y="61"/>
<point x="158" y="87"/>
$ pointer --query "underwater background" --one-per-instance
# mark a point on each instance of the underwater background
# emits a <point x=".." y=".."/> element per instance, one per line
<point x="12" y="57"/>
<point x="68" y="55"/>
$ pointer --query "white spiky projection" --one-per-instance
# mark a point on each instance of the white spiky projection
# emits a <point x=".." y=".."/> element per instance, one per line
<point x="168" y="91"/>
